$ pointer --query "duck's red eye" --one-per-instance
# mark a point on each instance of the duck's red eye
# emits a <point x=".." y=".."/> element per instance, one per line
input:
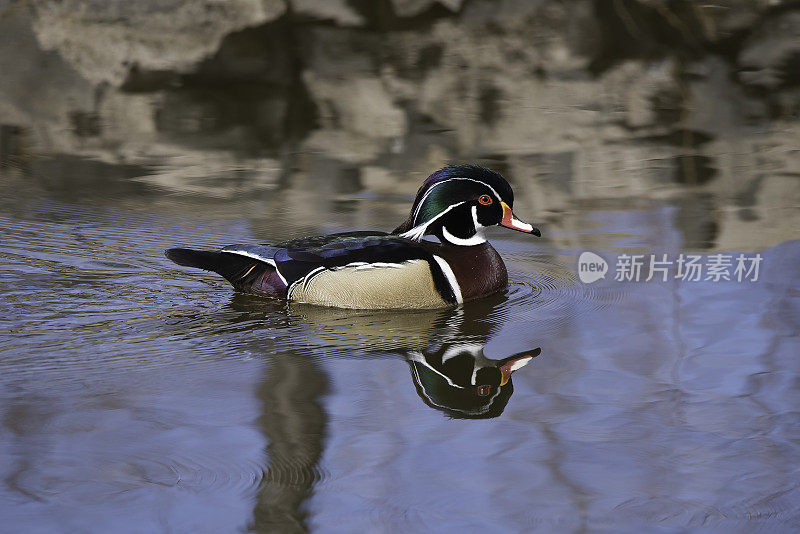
<point x="485" y="200"/>
<point x="484" y="390"/>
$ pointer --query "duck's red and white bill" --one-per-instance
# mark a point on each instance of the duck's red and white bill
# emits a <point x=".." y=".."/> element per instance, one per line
<point x="512" y="365"/>
<point x="509" y="221"/>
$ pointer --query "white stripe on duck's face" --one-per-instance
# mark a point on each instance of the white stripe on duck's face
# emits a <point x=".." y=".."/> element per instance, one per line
<point x="459" y="224"/>
<point x="464" y="225"/>
<point x="448" y="186"/>
<point x="474" y="235"/>
<point x="458" y="365"/>
<point x="456" y="211"/>
<point x="457" y="202"/>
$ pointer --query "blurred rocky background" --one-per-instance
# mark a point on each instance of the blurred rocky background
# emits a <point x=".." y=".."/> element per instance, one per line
<point x="579" y="102"/>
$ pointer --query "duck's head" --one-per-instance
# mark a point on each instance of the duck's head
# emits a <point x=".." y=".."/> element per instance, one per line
<point x="456" y="204"/>
<point x="460" y="381"/>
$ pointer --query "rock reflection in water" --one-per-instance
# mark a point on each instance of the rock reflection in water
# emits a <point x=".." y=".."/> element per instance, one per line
<point x="294" y="423"/>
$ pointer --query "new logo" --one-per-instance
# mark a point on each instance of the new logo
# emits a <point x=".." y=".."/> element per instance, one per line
<point x="591" y="267"/>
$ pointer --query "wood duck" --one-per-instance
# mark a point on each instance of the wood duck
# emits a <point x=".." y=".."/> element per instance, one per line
<point x="459" y="380"/>
<point x="445" y="349"/>
<point x="374" y="270"/>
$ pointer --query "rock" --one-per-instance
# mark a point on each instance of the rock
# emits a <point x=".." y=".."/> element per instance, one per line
<point x="39" y="91"/>
<point x="771" y="55"/>
<point x="358" y="104"/>
<point x="336" y="10"/>
<point x="719" y="108"/>
<point x="102" y="39"/>
<point x="410" y="8"/>
<point x="239" y="99"/>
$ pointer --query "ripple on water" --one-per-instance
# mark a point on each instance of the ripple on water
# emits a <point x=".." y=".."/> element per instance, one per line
<point x="547" y="291"/>
<point x="102" y="479"/>
<point x="287" y="470"/>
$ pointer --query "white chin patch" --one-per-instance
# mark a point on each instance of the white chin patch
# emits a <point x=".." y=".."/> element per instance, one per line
<point x="477" y="239"/>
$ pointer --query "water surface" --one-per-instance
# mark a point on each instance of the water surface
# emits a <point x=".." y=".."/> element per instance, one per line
<point x="139" y="396"/>
<point x="150" y="397"/>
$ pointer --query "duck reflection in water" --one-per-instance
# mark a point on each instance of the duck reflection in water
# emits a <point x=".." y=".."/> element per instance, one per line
<point x="444" y="350"/>
<point x="463" y="383"/>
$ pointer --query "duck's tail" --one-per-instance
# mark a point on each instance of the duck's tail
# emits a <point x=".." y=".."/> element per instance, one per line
<point x="245" y="274"/>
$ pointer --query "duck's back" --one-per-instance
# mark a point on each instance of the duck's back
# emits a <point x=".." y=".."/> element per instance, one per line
<point x="322" y="240"/>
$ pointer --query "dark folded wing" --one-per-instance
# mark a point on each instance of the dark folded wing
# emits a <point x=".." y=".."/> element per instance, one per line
<point x="322" y="240"/>
<point x="267" y="252"/>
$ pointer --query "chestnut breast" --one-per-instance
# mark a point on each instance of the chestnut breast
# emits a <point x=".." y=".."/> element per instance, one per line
<point x="479" y="269"/>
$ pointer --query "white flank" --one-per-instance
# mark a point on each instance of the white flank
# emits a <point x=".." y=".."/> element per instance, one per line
<point x="451" y="278"/>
